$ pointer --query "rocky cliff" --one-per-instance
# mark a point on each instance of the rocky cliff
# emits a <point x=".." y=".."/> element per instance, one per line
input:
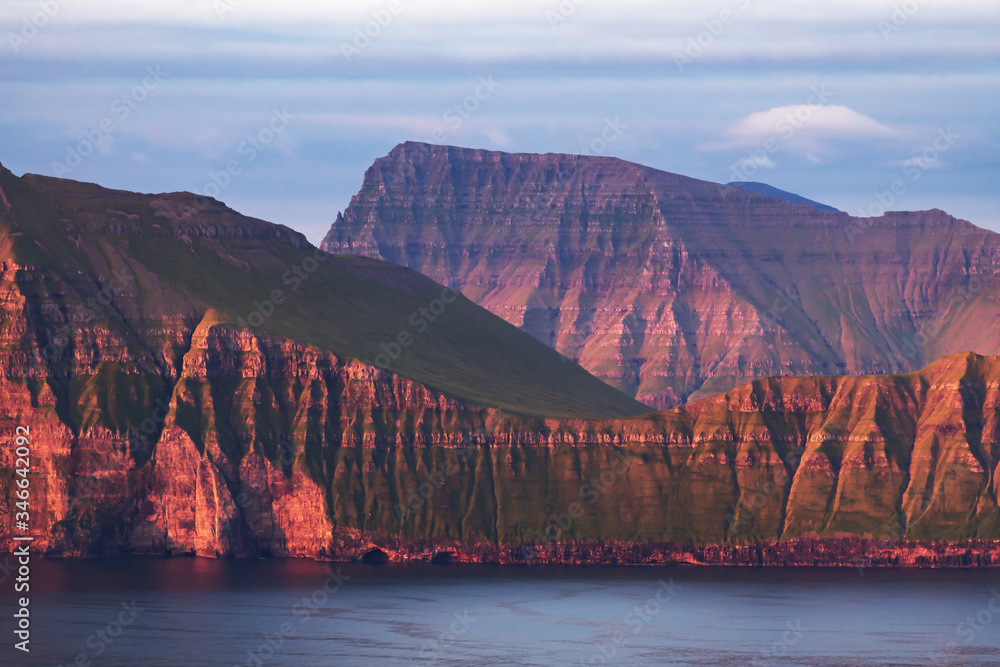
<point x="165" y="353"/>
<point x="164" y="418"/>
<point x="268" y="447"/>
<point x="671" y="288"/>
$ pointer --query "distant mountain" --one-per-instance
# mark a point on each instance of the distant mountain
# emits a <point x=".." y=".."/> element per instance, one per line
<point x="671" y="288"/>
<point x="770" y="191"/>
<point x="190" y="380"/>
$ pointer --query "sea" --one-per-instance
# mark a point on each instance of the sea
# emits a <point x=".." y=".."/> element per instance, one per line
<point x="235" y="613"/>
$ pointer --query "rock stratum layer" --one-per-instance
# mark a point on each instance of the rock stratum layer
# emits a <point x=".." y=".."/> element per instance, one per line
<point x="671" y="288"/>
<point x="161" y="424"/>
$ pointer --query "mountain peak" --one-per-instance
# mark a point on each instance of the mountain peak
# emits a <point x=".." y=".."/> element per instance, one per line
<point x="783" y="195"/>
<point x="671" y="288"/>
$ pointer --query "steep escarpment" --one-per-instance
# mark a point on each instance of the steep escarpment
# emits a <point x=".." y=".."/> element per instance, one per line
<point x="904" y="457"/>
<point x="671" y="288"/>
<point x="271" y="447"/>
<point x="247" y="454"/>
<point x="155" y="350"/>
<point x="164" y="417"/>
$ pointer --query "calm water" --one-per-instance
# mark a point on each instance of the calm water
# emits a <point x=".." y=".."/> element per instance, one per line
<point x="206" y="613"/>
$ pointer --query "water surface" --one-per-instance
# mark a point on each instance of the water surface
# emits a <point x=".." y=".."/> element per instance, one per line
<point x="187" y="611"/>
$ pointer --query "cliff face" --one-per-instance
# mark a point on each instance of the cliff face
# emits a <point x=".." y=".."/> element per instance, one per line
<point x="245" y="455"/>
<point x="161" y="424"/>
<point x="671" y="288"/>
<point x="271" y="447"/>
<point x="188" y="376"/>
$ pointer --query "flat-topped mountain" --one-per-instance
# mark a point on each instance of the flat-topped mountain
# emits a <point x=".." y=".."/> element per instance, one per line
<point x="194" y="381"/>
<point x="671" y="288"/>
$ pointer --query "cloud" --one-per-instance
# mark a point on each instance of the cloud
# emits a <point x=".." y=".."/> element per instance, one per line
<point x="829" y="120"/>
<point x="630" y="34"/>
<point x="752" y="163"/>
<point x="802" y="128"/>
<point x="499" y="138"/>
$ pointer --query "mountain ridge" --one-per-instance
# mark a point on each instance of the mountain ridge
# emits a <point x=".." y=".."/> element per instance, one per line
<point x="161" y="424"/>
<point x="770" y="191"/>
<point x="189" y="259"/>
<point x="671" y="288"/>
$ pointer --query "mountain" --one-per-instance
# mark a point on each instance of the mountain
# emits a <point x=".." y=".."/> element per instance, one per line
<point x="671" y="288"/>
<point x="67" y="242"/>
<point x="770" y="191"/>
<point x="162" y="420"/>
<point x="164" y="356"/>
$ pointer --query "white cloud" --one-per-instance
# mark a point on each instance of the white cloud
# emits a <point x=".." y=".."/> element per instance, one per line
<point x="499" y="138"/>
<point x="634" y="31"/>
<point x="830" y="120"/>
<point x="606" y="60"/>
<point x="801" y="128"/>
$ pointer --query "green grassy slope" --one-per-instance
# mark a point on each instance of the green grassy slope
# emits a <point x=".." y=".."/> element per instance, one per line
<point x="187" y="261"/>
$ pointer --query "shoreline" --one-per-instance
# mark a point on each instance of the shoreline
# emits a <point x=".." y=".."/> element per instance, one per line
<point x="845" y="552"/>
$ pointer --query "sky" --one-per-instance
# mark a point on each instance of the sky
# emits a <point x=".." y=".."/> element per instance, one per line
<point x="278" y="109"/>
